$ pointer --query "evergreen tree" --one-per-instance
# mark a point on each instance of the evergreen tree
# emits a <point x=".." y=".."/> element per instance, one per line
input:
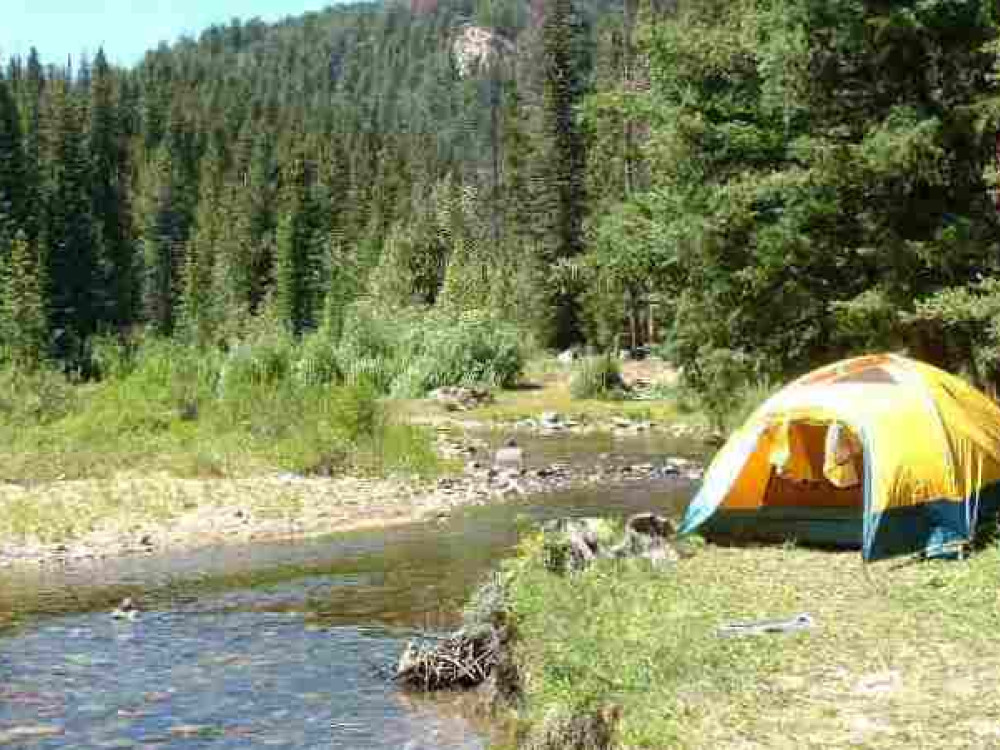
<point x="12" y="173"/>
<point x="233" y="280"/>
<point x="31" y="87"/>
<point x="112" y="248"/>
<point x="199" y="311"/>
<point x="294" y="271"/>
<point x="564" y="158"/>
<point x="66" y="229"/>
<point x="834" y="174"/>
<point x="161" y="238"/>
<point x="22" y="306"/>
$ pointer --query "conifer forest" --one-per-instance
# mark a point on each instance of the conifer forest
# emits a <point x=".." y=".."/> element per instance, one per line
<point x="750" y="187"/>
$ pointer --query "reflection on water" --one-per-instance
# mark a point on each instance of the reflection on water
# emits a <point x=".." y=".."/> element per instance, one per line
<point x="269" y="645"/>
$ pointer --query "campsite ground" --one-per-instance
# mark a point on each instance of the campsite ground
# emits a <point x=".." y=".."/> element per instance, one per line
<point x="902" y="654"/>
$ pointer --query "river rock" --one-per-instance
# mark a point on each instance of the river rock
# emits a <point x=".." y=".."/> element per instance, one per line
<point x="509" y="458"/>
<point x="16" y="736"/>
<point x="461" y="398"/>
<point x="571" y="545"/>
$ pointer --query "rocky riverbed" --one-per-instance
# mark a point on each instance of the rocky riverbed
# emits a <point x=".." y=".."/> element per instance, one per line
<point x="182" y="513"/>
<point x="550" y="423"/>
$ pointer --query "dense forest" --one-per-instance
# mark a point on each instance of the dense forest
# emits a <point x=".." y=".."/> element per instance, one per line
<point x="777" y="182"/>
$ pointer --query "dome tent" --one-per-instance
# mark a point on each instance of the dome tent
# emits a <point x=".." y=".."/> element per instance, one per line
<point x="881" y="452"/>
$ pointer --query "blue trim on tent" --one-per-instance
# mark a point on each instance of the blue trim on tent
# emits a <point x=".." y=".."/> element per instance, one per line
<point x="933" y="528"/>
<point x="718" y="481"/>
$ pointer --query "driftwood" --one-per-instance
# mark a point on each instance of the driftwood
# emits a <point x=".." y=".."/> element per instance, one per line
<point x="462" y="660"/>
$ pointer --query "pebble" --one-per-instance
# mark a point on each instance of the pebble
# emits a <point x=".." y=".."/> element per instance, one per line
<point x="28" y="732"/>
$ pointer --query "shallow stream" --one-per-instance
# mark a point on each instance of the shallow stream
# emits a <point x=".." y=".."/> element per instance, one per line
<point x="278" y="645"/>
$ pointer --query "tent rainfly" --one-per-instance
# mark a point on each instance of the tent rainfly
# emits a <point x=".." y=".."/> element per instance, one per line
<point x="879" y="452"/>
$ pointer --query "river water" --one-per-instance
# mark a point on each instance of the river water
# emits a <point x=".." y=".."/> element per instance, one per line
<point x="277" y="645"/>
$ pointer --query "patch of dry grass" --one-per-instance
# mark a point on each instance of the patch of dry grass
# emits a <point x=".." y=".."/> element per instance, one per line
<point x="105" y="516"/>
<point x="901" y="656"/>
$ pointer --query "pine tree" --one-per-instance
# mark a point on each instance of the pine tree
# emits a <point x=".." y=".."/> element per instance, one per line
<point x="22" y="306"/>
<point x="30" y="106"/>
<point x="199" y="312"/>
<point x="517" y="289"/>
<point x="465" y="284"/>
<point x="233" y="277"/>
<point x="113" y="251"/>
<point x="66" y="230"/>
<point x="294" y="267"/>
<point x="12" y="197"/>
<point x="564" y="159"/>
<point x="161" y="238"/>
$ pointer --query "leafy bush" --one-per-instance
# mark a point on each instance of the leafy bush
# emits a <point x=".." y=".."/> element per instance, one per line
<point x="264" y="404"/>
<point x="111" y="356"/>
<point x="470" y="349"/>
<point x="261" y="360"/>
<point x="417" y="351"/>
<point x="596" y="377"/>
<point x="34" y="397"/>
<point x="316" y="361"/>
<point x="719" y="378"/>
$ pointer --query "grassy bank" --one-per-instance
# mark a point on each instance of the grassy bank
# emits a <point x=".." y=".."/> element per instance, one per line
<point x="901" y="657"/>
<point x="112" y="450"/>
<point x="546" y="385"/>
<point x="315" y="404"/>
<point x="175" y="414"/>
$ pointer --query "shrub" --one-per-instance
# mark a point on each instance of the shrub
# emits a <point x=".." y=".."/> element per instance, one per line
<point x="596" y="377"/>
<point x="418" y="350"/>
<point x="470" y="349"/>
<point x="316" y="362"/>
<point x="34" y="397"/>
<point x="111" y="356"/>
<point x="262" y="360"/>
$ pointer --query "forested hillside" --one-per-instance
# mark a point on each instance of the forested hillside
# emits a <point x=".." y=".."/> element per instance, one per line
<point x="789" y="179"/>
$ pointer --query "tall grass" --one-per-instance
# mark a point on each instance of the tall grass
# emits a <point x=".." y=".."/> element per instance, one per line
<point x="311" y="404"/>
<point x="596" y="377"/>
<point x="263" y="405"/>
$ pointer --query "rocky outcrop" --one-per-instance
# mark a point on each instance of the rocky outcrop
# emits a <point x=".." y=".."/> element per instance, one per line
<point x="476" y="48"/>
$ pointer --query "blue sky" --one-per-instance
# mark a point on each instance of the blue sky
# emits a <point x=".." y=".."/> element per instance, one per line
<point x="125" y="28"/>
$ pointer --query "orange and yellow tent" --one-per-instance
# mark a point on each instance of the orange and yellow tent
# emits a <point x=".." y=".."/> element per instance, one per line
<point x="881" y="452"/>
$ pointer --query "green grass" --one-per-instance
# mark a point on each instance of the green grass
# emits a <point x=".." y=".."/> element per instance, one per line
<point x="901" y="657"/>
<point x="554" y="395"/>
<point x="194" y="412"/>
<point x="596" y="378"/>
<point x="122" y="425"/>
